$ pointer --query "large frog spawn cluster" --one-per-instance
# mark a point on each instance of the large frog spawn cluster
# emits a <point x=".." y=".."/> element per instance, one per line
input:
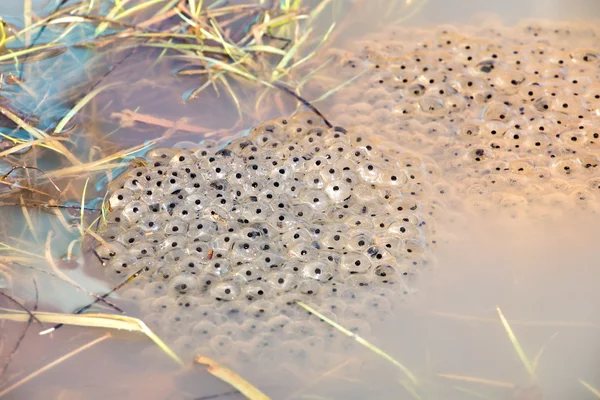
<point x="511" y="114"/>
<point x="229" y="238"/>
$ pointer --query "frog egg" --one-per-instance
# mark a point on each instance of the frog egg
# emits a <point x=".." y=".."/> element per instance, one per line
<point x="133" y="295"/>
<point x="413" y="247"/>
<point x="334" y="305"/>
<point x="218" y="267"/>
<point x="270" y="260"/>
<point x="134" y="210"/>
<point x="121" y="265"/>
<point x="231" y="330"/>
<point x="364" y="194"/>
<point x="248" y="273"/>
<point x="161" y="154"/>
<point x="392" y="244"/>
<point x="173" y="256"/>
<point x="355" y="311"/>
<point x="244" y="250"/>
<point x="261" y="309"/>
<point x="566" y="166"/>
<point x="329" y="173"/>
<point x="165" y="273"/>
<point x="185" y="346"/>
<point x="386" y="274"/>
<point x="254" y="233"/>
<point x="369" y="172"/>
<point x="151" y="223"/>
<point x="296" y="236"/>
<point x="188" y="302"/>
<point x="393" y="178"/>
<point x="225" y="291"/>
<point x="162" y="304"/>
<point x="338" y="191"/>
<point x="281" y="280"/>
<point x="334" y="240"/>
<point x="318" y="271"/>
<point x="185" y="212"/>
<point x="129" y="238"/>
<point x="282" y="221"/>
<point x="221" y="344"/>
<point x="355" y="263"/>
<point x="175" y="226"/>
<point x="255" y="211"/>
<point x="179" y="324"/>
<point x="255" y="291"/>
<point x="251" y="328"/>
<point x="231" y="311"/>
<point x="120" y="198"/>
<point x="309" y="287"/>
<point x="291" y="349"/>
<point x="172" y="243"/>
<point x="156" y="289"/>
<point x="432" y="106"/>
<point x="142" y="249"/>
<point x="403" y="229"/>
<point x="359" y="327"/>
<point x="148" y="264"/>
<point x="359" y="221"/>
<point x="202" y="230"/>
<point x="305" y="251"/>
<point x="360" y="240"/>
<point x="313" y="180"/>
<point x="277" y="325"/>
<point x="359" y="280"/>
<point x="303" y="212"/>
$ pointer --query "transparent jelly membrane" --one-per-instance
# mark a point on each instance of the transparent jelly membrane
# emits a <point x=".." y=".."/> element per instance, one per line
<point x="229" y="239"/>
<point x="477" y="97"/>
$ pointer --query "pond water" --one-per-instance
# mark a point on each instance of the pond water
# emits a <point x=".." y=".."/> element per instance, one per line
<point x="488" y="121"/>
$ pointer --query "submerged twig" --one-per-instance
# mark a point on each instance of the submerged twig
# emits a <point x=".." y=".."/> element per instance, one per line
<point x="303" y="101"/>
<point x="20" y="340"/>
<point x="21" y="306"/>
<point x="100" y="298"/>
<point x="362" y="341"/>
<point x="27" y="167"/>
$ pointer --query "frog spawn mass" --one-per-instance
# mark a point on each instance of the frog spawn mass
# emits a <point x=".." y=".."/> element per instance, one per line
<point x="511" y="114"/>
<point x="228" y="239"/>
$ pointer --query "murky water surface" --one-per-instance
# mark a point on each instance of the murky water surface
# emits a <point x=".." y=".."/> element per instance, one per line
<point x="466" y="138"/>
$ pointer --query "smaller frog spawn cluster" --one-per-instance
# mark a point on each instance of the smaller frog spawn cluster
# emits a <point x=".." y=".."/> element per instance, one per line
<point x="293" y="211"/>
<point x="511" y="114"/>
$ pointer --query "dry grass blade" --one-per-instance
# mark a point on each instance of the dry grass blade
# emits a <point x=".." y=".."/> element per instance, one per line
<point x="94" y="320"/>
<point x="14" y="301"/>
<point x="100" y="165"/>
<point x="362" y="341"/>
<point x="103" y="297"/>
<point x="52" y="364"/>
<point x="473" y="393"/>
<point x="538" y="356"/>
<point x="589" y="387"/>
<point x="80" y="104"/>
<point x="513" y="322"/>
<point x="230" y="377"/>
<point x="38" y="134"/>
<point x="474" y="379"/>
<point x="28" y="220"/>
<point x="516" y="345"/>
